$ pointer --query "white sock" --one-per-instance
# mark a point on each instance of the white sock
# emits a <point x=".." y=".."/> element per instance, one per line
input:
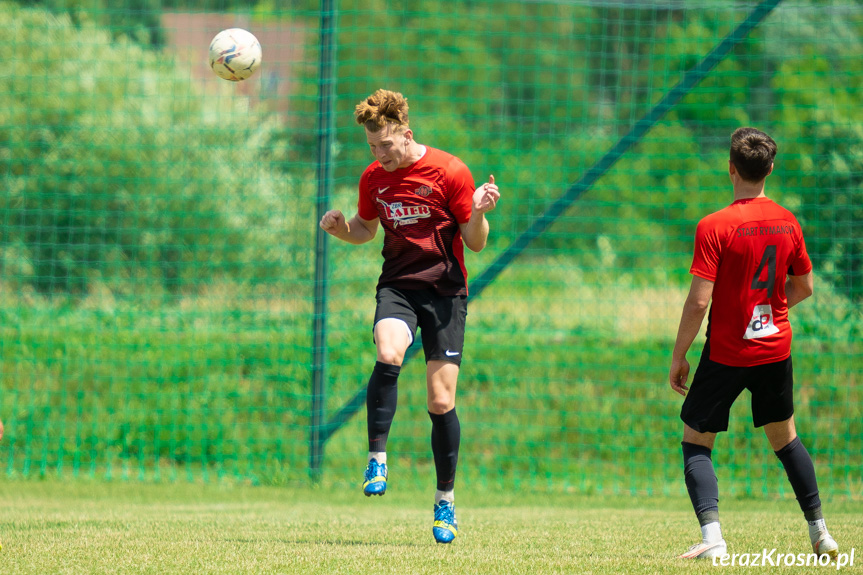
<point x="816" y="529"/>
<point x="711" y="533"/>
<point x="380" y="456"/>
<point x="448" y="495"/>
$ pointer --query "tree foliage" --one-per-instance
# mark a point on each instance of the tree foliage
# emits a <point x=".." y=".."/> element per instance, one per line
<point x="106" y="181"/>
<point x="533" y="92"/>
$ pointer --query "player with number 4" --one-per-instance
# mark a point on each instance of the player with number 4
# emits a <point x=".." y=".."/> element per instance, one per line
<point x="425" y="200"/>
<point x="751" y="260"/>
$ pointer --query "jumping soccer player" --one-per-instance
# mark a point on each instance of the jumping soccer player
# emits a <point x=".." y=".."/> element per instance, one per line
<point x="750" y="258"/>
<point x="427" y="204"/>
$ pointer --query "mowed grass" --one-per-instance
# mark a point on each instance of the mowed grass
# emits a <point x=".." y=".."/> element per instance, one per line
<point x="92" y="528"/>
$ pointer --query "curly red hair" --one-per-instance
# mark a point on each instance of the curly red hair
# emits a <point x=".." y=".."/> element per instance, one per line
<point x="382" y="108"/>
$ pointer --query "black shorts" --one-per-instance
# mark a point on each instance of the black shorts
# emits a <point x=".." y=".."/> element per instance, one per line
<point x="441" y="319"/>
<point x="715" y="387"/>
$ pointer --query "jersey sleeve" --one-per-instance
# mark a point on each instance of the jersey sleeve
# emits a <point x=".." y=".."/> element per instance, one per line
<point x="800" y="264"/>
<point x="366" y="207"/>
<point x="705" y="261"/>
<point x="460" y="189"/>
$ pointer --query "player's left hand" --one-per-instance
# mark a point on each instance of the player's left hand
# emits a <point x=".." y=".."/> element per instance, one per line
<point x="678" y="374"/>
<point x="485" y="197"/>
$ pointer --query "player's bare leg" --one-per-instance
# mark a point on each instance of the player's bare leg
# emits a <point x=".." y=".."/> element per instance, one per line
<point x="798" y="465"/>
<point x="703" y="491"/>
<point x="392" y="338"/>
<point x="441" y="382"/>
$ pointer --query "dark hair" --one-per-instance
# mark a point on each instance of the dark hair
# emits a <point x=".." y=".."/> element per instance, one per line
<point x="752" y="153"/>
<point x="382" y="108"/>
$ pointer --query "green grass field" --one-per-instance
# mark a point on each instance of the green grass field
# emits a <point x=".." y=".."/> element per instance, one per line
<point x="88" y="527"/>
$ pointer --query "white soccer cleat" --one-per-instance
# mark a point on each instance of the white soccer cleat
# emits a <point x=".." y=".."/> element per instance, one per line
<point x="826" y="545"/>
<point x="706" y="550"/>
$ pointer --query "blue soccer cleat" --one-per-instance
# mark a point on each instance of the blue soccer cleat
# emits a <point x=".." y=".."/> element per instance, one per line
<point x="445" y="525"/>
<point x="375" y="479"/>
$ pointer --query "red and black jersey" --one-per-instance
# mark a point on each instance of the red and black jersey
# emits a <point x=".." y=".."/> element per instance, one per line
<point x="420" y="208"/>
<point x="748" y="249"/>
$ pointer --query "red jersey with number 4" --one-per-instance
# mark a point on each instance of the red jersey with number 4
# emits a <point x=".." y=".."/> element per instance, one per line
<point x="420" y="208"/>
<point x="747" y="250"/>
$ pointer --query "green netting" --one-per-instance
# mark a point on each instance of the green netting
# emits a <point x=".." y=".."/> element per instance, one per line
<point x="158" y="232"/>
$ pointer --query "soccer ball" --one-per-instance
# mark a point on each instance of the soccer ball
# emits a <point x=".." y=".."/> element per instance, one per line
<point x="235" y="54"/>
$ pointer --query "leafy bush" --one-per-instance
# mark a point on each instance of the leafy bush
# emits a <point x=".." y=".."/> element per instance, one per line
<point x="128" y="179"/>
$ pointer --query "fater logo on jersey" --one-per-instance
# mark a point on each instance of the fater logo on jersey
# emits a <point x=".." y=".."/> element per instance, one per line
<point x="761" y="324"/>
<point x="400" y="214"/>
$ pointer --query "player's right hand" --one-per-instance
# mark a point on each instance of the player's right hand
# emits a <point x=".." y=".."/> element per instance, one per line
<point x="333" y="221"/>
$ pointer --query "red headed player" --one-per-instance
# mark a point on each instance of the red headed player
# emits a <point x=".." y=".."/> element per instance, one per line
<point x="426" y="202"/>
<point x="750" y="258"/>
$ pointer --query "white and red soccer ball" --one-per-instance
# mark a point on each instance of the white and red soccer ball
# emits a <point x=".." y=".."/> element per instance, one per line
<point x="235" y="54"/>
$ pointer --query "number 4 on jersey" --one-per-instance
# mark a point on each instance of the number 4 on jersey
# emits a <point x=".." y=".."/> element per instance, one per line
<point x="768" y="260"/>
<point x="761" y="323"/>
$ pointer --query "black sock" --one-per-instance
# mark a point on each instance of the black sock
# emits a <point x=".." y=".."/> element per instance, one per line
<point x="381" y="401"/>
<point x="801" y="473"/>
<point x="701" y="482"/>
<point x="445" y="438"/>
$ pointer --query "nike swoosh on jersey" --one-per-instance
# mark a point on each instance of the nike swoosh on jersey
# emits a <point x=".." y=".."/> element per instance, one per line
<point x="382" y="190"/>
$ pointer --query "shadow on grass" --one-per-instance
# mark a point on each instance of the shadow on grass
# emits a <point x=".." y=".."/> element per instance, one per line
<point x="327" y="542"/>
